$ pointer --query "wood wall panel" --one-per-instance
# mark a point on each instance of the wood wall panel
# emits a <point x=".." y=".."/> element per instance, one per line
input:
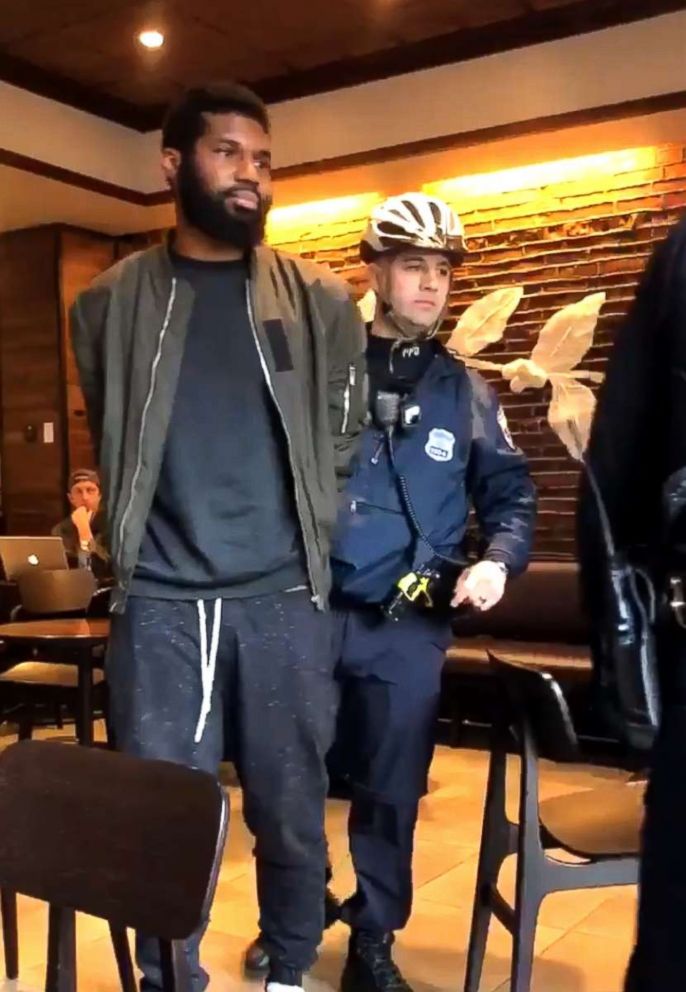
<point x="33" y="472"/>
<point x="41" y="272"/>
<point x="82" y="257"/>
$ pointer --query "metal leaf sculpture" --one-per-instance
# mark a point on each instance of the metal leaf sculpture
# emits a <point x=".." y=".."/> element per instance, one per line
<point x="367" y="306"/>
<point x="568" y="335"/>
<point x="562" y="344"/>
<point x="570" y="413"/>
<point x="484" y="322"/>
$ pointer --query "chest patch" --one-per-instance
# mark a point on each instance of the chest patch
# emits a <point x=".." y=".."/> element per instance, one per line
<point x="440" y="445"/>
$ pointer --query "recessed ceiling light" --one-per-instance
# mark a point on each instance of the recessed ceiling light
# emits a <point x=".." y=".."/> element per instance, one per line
<point x="151" y="39"/>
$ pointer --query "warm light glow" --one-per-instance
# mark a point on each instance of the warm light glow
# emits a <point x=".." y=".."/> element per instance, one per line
<point x="290" y="223"/>
<point x="151" y="39"/>
<point x="543" y="174"/>
<point x="328" y="225"/>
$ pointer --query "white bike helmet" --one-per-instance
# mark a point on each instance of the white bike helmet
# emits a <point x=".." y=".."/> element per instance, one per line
<point x="413" y="220"/>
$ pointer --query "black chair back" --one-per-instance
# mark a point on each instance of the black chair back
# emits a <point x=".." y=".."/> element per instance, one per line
<point x="132" y="841"/>
<point x="46" y="593"/>
<point x="99" y="606"/>
<point x="536" y="701"/>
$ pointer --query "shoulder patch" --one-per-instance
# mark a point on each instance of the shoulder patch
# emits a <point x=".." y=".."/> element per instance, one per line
<point x="505" y="428"/>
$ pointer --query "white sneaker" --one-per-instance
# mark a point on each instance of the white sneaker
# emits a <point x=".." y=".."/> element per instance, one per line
<point x="277" y="987"/>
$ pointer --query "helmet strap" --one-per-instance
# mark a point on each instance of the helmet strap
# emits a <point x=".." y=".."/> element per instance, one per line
<point x="406" y="329"/>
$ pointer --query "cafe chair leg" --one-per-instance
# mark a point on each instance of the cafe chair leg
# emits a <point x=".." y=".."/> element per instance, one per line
<point x="122" y="954"/>
<point x="8" y="903"/>
<point x="25" y="721"/>
<point x="61" y="970"/>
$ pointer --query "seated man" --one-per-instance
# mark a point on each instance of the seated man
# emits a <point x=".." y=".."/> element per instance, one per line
<point x="83" y="532"/>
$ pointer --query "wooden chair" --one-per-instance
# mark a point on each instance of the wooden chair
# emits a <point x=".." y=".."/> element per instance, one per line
<point x="56" y="592"/>
<point x="137" y="843"/>
<point x="34" y="682"/>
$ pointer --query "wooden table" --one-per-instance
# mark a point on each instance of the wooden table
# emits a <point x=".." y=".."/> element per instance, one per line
<point x="78" y="637"/>
<point x="94" y="631"/>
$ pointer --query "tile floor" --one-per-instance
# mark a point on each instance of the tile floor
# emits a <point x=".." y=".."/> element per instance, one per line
<point x="583" y="938"/>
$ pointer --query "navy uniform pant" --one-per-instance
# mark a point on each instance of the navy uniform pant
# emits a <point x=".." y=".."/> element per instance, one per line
<point x="390" y="674"/>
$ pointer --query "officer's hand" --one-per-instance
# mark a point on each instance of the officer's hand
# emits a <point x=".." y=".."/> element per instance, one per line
<point x="482" y="585"/>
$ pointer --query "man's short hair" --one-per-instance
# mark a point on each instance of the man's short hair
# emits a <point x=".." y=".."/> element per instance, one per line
<point x="83" y="475"/>
<point x="185" y="120"/>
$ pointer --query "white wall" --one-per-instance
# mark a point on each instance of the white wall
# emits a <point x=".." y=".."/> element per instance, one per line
<point x="636" y="60"/>
<point x="72" y="139"/>
<point x="411" y="171"/>
<point x="27" y="200"/>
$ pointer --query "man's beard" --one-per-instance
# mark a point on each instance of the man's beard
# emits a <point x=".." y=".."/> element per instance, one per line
<point x="213" y="214"/>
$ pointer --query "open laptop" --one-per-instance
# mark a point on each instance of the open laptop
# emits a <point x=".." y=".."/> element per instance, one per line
<point x="22" y="554"/>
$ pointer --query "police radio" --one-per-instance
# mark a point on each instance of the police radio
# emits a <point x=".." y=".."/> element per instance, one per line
<point x="391" y="411"/>
<point x="415" y="588"/>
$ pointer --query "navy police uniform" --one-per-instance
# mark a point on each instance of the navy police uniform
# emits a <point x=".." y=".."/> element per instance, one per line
<point x="459" y="456"/>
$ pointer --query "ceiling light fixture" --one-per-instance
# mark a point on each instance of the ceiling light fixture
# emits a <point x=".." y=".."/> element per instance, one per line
<point x="151" y="39"/>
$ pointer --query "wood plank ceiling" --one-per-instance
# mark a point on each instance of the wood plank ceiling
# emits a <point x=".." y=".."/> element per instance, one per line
<point x="84" y="52"/>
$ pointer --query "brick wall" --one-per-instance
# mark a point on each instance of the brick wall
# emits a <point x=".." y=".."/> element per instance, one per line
<point x="560" y="233"/>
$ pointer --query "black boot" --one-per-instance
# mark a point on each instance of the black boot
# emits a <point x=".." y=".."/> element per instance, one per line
<point x="369" y="966"/>
<point x="256" y="960"/>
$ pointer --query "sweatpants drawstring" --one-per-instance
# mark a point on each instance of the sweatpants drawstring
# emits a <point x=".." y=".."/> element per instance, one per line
<point x="208" y="662"/>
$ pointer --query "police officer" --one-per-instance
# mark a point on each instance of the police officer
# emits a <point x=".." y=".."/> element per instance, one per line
<point x="398" y="540"/>
<point x="638" y="455"/>
<point x="437" y="446"/>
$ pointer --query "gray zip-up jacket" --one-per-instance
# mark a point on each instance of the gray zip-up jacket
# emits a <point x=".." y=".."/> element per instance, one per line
<point x="128" y="333"/>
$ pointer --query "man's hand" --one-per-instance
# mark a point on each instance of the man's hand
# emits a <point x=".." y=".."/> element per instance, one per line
<point x="482" y="585"/>
<point x="81" y="519"/>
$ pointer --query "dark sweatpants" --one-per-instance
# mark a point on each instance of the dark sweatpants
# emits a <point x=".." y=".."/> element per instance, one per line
<point x="274" y="703"/>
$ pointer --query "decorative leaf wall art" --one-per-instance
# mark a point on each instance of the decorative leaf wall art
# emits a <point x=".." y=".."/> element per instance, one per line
<point x="484" y="322"/>
<point x="367" y="306"/>
<point x="562" y="343"/>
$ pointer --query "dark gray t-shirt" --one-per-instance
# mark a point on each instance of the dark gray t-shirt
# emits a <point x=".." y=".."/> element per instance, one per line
<point x="223" y="520"/>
